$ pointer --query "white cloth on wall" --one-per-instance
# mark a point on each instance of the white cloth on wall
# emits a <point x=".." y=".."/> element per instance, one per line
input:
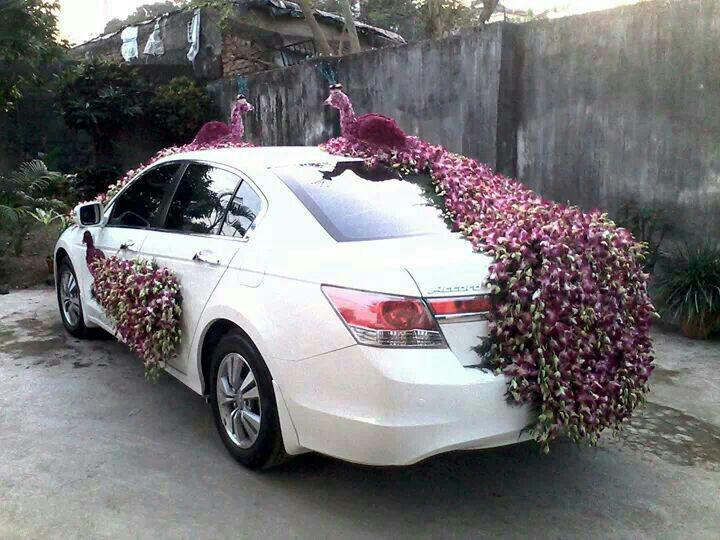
<point x="194" y="36"/>
<point x="129" y="49"/>
<point x="154" y="45"/>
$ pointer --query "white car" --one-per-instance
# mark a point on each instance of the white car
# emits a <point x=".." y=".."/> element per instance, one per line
<point x="326" y="307"/>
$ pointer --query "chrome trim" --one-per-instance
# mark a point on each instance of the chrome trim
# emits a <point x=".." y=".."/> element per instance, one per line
<point x="463" y="317"/>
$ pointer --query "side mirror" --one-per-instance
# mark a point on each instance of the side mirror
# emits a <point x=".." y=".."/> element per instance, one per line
<point x="89" y="214"/>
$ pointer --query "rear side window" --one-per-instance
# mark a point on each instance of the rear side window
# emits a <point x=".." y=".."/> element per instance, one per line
<point x="354" y="203"/>
<point x="242" y="212"/>
<point x="200" y="199"/>
<point x="141" y="204"/>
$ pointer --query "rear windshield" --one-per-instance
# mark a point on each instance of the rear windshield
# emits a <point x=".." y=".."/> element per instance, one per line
<point x="354" y="203"/>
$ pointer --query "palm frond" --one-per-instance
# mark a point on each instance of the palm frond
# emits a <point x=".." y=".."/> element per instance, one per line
<point x="8" y="214"/>
<point x="33" y="177"/>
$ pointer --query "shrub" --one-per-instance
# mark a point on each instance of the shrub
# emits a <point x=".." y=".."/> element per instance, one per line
<point x="179" y="109"/>
<point x="690" y="288"/>
<point x="91" y="181"/>
<point x="102" y="99"/>
<point x="31" y="187"/>
<point x="649" y="225"/>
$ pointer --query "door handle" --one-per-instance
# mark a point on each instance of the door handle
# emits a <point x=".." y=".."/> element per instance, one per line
<point x="127" y="246"/>
<point x="206" y="257"/>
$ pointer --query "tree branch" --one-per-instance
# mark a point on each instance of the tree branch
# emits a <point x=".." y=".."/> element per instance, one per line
<point x="488" y="9"/>
<point x="350" y="25"/>
<point x="321" y="42"/>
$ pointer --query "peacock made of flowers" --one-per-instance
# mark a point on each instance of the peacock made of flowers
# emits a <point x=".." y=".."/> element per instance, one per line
<point x="570" y="325"/>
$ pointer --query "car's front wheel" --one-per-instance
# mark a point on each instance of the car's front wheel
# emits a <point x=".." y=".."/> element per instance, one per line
<point x="243" y="403"/>
<point x="68" y="294"/>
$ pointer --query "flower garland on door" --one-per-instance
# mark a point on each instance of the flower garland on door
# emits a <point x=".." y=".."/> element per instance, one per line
<point x="571" y="317"/>
<point x="144" y="302"/>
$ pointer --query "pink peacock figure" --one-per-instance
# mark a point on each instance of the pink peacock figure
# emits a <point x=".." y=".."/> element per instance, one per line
<point x="216" y="133"/>
<point x="93" y="254"/>
<point x="373" y="129"/>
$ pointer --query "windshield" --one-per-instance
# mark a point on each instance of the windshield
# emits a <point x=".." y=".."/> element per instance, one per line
<point x="354" y="203"/>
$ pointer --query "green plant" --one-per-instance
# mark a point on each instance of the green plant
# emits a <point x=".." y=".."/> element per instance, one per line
<point x="142" y="13"/>
<point x="649" y="225"/>
<point x="102" y="99"/>
<point x="179" y="109"/>
<point x="90" y="181"/>
<point x="54" y="223"/>
<point x="31" y="187"/>
<point x="690" y="288"/>
<point x="28" y="41"/>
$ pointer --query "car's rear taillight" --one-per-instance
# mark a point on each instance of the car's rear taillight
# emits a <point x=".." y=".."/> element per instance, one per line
<point x="385" y="320"/>
<point x="462" y="306"/>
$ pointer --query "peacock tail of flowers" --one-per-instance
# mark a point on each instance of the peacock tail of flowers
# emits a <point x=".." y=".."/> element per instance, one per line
<point x="144" y="302"/>
<point x="570" y="325"/>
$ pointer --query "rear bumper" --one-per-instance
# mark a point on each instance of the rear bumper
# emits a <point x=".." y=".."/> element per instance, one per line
<point x="396" y="407"/>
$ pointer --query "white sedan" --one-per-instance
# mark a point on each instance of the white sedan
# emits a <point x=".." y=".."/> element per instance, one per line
<point x="326" y="307"/>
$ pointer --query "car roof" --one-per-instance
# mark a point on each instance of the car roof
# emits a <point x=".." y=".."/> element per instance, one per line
<point x="260" y="157"/>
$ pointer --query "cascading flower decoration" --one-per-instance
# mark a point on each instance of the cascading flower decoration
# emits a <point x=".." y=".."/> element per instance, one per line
<point x="143" y="301"/>
<point x="571" y="317"/>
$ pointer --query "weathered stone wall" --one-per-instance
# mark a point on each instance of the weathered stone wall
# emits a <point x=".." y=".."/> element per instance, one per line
<point x="445" y="91"/>
<point x="625" y="105"/>
<point x="242" y="43"/>
<point x="207" y="64"/>
<point x="241" y="56"/>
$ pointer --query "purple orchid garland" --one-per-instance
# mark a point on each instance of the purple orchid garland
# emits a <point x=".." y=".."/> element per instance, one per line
<point x="571" y="318"/>
<point x="144" y="301"/>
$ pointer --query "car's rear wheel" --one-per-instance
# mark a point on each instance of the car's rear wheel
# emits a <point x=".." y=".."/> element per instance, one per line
<point x="243" y="403"/>
<point x="69" y="301"/>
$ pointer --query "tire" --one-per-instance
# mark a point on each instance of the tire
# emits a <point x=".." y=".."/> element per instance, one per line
<point x="67" y="288"/>
<point x="236" y="364"/>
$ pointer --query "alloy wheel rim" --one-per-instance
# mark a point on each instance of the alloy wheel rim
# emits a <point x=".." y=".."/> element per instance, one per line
<point x="238" y="398"/>
<point x="70" y="298"/>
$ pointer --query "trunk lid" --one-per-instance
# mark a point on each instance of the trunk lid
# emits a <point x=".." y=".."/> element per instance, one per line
<point x="442" y="266"/>
<point x="455" y="273"/>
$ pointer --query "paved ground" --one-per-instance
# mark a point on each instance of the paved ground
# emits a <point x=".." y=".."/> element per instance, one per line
<point x="89" y="449"/>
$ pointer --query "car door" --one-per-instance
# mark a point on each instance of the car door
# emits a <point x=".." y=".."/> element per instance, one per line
<point x="136" y="210"/>
<point x="206" y="222"/>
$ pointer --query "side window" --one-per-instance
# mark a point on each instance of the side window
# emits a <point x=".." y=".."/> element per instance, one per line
<point x="242" y="212"/>
<point x="200" y="199"/>
<point x="141" y="203"/>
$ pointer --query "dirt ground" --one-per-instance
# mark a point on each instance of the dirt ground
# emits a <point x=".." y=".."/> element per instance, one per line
<point x="90" y="449"/>
<point x="31" y="268"/>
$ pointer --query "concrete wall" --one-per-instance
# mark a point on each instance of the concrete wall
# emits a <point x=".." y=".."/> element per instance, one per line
<point x="445" y="91"/>
<point x="625" y="105"/>
<point x="615" y="106"/>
